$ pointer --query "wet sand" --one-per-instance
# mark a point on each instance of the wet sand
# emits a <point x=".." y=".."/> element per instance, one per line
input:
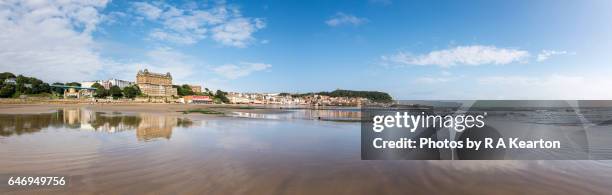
<point x="229" y="155"/>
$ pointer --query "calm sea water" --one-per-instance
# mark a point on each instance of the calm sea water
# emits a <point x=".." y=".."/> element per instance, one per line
<point x="110" y="153"/>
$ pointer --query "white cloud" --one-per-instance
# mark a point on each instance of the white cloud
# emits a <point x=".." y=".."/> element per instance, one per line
<point x="46" y="39"/>
<point x="150" y="11"/>
<point x="187" y="38"/>
<point x="224" y="24"/>
<point x="53" y="41"/>
<point x="113" y="17"/>
<point x="345" y="19"/>
<point x="160" y="60"/>
<point x="237" y="32"/>
<point x="232" y="71"/>
<point x="545" y="54"/>
<point x="473" y="55"/>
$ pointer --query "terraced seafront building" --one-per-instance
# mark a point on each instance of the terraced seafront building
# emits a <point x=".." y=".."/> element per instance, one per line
<point x="155" y="84"/>
<point x="108" y="83"/>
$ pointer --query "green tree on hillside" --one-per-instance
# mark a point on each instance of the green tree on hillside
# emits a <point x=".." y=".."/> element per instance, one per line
<point x="183" y="90"/>
<point x="179" y="90"/>
<point x="74" y="84"/>
<point x="371" y="95"/>
<point x="101" y="92"/>
<point x="221" y="96"/>
<point x="29" y="85"/>
<point x="7" y="91"/>
<point x="187" y="90"/>
<point x="39" y="86"/>
<point x="57" y="90"/>
<point x="207" y="92"/>
<point x="6" y="75"/>
<point x="22" y="79"/>
<point x="375" y="96"/>
<point x="131" y="91"/>
<point x="116" y="92"/>
<point x="26" y="85"/>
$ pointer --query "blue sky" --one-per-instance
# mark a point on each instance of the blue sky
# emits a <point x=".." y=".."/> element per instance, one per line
<point x="411" y="49"/>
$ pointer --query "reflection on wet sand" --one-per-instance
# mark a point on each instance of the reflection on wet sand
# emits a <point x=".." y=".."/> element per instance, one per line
<point x="152" y="126"/>
<point x="308" y="114"/>
<point x="230" y="155"/>
<point x="333" y="115"/>
<point x="147" y="126"/>
<point x="27" y="123"/>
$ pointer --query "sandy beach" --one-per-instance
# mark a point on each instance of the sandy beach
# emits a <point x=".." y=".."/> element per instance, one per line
<point x="134" y="107"/>
<point x="156" y="148"/>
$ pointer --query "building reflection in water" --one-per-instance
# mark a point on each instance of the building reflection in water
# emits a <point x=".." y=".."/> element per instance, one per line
<point x="330" y="114"/>
<point x="28" y="123"/>
<point x="333" y="114"/>
<point x="147" y="126"/>
<point x="154" y="126"/>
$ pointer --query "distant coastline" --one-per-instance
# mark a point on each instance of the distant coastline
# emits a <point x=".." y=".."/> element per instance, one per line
<point x="158" y="88"/>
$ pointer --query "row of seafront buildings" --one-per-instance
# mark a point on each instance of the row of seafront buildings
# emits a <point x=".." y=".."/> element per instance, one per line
<point x="108" y="83"/>
<point x="158" y="88"/>
<point x="153" y="85"/>
<point x="150" y="83"/>
<point x="285" y="99"/>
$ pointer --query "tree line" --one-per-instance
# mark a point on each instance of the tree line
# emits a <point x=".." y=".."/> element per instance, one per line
<point x="217" y="96"/>
<point x="15" y="86"/>
<point x="116" y="92"/>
